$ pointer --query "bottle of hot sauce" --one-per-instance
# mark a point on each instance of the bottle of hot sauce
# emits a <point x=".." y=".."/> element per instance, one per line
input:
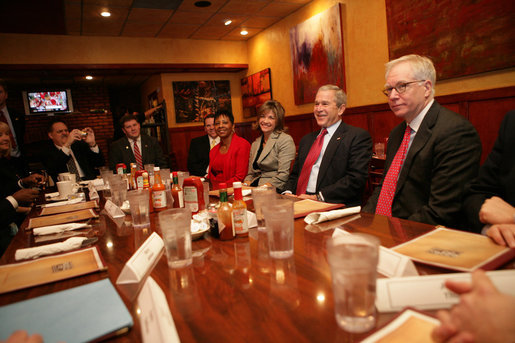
<point x="146" y="186"/>
<point x="132" y="177"/>
<point x="224" y="214"/>
<point x="239" y="212"/>
<point x="177" y="194"/>
<point x="158" y="192"/>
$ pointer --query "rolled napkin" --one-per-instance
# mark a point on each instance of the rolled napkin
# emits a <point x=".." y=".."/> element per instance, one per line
<point x="47" y="230"/>
<point x="35" y="252"/>
<point x="319" y="217"/>
<point x="62" y="203"/>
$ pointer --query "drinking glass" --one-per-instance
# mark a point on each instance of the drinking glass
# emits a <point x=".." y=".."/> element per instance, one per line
<point x="353" y="261"/>
<point x="176" y="229"/>
<point x="279" y="227"/>
<point x="139" y="203"/>
<point x="118" y="191"/>
<point x="262" y="195"/>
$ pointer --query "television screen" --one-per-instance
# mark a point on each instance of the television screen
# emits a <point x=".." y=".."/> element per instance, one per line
<point x="56" y="101"/>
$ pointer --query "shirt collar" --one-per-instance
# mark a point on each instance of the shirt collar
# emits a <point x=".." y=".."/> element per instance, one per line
<point x="415" y="123"/>
<point x="332" y="129"/>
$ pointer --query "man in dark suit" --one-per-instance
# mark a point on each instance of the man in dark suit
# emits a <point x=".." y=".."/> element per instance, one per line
<point x="332" y="164"/>
<point x="489" y="204"/>
<point x="147" y="150"/>
<point x="76" y="152"/>
<point x="15" y="120"/>
<point x="430" y="156"/>
<point x="198" y="156"/>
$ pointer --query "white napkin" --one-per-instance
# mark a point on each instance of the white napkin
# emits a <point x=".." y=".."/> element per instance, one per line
<point x="319" y="217"/>
<point x="62" y="203"/>
<point x="251" y="219"/>
<point x="200" y="222"/>
<point x="35" y="252"/>
<point x="47" y="230"/>
<point x="52" y="195"/>
<point x="245" y="192"/>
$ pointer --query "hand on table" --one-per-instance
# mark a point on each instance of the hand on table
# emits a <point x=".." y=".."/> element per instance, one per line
<point x="22" y="336"/>
<point x="26" y="195"/>
<point x="502" y="234"/>
<point x="496" y="211"/>
<point x="482" y="315"/>
<point x="306" y="196"/>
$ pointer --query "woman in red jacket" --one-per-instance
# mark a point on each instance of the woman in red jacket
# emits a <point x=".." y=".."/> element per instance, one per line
<point x="229" y="159"/>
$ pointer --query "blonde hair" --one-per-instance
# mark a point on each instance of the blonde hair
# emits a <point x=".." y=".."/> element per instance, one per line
<point x="5" y="129"/>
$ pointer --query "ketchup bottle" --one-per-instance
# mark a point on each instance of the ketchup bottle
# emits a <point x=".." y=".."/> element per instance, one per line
<point x="193" y="194"/>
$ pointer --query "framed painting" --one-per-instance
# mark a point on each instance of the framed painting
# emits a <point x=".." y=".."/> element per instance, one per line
<point x="196" y="99"/>
<point x="317" y="54"/>
<point x="462" y="38"/>
<point x="255" y="90"/>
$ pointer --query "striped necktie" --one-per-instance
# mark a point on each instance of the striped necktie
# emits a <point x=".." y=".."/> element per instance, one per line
<point x="384" y="203"/>
<point x="312" y="157"/>
<point x="137" y="155"/>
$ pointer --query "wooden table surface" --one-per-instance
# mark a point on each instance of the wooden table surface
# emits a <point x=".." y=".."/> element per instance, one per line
<point x="234" y="291"/>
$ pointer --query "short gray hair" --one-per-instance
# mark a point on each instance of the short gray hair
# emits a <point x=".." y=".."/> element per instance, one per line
<point x="339" y="94"/>
<point x="422" y="67"/>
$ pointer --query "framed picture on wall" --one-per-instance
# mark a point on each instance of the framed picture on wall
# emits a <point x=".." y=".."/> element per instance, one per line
<point x="255" y="90"/>
<point x="317" y="54"/>
<point x="196" y="99"/>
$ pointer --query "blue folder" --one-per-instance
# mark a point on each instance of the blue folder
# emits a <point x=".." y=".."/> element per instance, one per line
<point x="79" y="314"/>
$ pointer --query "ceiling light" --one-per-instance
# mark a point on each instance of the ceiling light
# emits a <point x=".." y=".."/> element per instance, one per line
<point x="203" y="3"/>
<point x="244" y="32"/>
<point x="89" y="77"/>
<point x="228" y="22"/>
<point x="105" y="14"/>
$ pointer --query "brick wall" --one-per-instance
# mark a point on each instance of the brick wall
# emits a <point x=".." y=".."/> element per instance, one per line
<point x="87" y="100"/>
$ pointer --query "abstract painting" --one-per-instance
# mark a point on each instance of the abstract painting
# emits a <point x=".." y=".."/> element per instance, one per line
<point x="317" y="54"/>
<point x="462" y="38"/>
<point x="196" y="99"/>
<point x="255" y="90"/>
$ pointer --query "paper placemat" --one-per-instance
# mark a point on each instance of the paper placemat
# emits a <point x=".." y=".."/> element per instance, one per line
<point x="61" y="218"/>
<point x="68" y="208"/>
<point x="50" y="269"/>
<point x="304" y="207"/>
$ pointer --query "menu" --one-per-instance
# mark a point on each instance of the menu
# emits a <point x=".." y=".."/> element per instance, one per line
<point x="68" y="208"/>
<point x="304" y="207"/>
<point x="457" y="250"/>
<point x="61" y="218"/>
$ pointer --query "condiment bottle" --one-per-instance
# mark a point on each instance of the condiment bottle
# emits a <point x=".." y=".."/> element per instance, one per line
<point x="224" y="214"/>
<point x="132" y="177"/>
<point x="239" y="212"/>
<point x="194" y="194"/>
<point x="138" y="175"/>
<point x="158" y="192"/>
<point x="146" y="186"/>
<point x="177" y="194"/>
<point x="120" y="168"/>
<point x="212" y="213"/>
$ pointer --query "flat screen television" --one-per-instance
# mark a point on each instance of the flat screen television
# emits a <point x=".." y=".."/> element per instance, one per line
<point x="48" y="101"/>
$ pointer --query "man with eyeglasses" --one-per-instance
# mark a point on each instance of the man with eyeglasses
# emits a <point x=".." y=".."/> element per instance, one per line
<point x="430" y="156"/>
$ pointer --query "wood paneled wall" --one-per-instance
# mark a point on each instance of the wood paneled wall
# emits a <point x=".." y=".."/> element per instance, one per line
<point x="484" y="109"/>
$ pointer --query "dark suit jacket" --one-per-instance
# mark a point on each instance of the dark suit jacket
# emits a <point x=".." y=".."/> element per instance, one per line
<point x="496" y="175"/>
<point x="11" y="170"/>
<point x="198" y="156"/>
<point x="7" y="216"/>
<point x="55" y="160"/>
<point x="18" y="121"/>
<point x="151" y="152"/>
<point x="344" y="169"/>
<point x="443" y="157"/>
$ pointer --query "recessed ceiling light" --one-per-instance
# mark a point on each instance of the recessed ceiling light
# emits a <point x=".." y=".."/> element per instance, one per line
<point x="244" y="32"/>
<point x="89" y="77"/>
<point x="203" y="3"/>
<point x="105" y="14"/>
<point x="228" y="22"/>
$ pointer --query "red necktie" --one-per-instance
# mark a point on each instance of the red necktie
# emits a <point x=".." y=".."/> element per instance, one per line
<point x="4" y="119"/>
<point x="384" y="203"/>
<point x="137" y="155"/>
<point x="312" y="157"/>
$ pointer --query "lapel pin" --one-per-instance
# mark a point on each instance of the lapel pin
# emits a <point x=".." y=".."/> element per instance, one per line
<point x="338" y="138"/>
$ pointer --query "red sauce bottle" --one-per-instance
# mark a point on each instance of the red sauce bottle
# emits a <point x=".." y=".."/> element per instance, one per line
<point x="193" y="190"/>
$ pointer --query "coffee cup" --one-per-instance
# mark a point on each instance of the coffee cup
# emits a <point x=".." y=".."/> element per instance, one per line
<point x="65" y="188"/>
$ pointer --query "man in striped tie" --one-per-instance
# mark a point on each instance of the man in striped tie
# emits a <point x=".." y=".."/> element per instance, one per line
<point x="430" y="156"/>
<point x="135" y="147"/>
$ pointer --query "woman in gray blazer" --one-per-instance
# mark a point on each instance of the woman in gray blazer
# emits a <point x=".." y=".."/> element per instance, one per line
<point x="271" y="154"/>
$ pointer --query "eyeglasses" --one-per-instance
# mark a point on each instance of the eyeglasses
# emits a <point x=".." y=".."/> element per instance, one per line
<point x="400" y="87"/>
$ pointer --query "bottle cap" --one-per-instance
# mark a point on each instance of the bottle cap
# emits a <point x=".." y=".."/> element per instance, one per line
<point x="236" y="184"/>
<point x="156" y="168"/>
<point x="222" y="185"/>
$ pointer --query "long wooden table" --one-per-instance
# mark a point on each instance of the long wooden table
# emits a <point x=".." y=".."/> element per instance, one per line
<point x="234" y="291"/>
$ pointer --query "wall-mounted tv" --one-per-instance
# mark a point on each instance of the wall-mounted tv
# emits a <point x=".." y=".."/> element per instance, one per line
<point x="48" y="101"/>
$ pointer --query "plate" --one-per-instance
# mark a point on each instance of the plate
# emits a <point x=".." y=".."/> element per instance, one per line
<point x="198" y="234"/>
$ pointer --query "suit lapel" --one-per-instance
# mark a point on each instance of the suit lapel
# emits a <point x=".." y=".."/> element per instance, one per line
<point x="268" y="146"/>
<point x="424" y="133"/>
<point x="330" y="150"/>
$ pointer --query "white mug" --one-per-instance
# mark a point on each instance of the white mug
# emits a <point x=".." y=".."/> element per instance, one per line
<point x="65" y="188"/>
<point x="67" y="177"/>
